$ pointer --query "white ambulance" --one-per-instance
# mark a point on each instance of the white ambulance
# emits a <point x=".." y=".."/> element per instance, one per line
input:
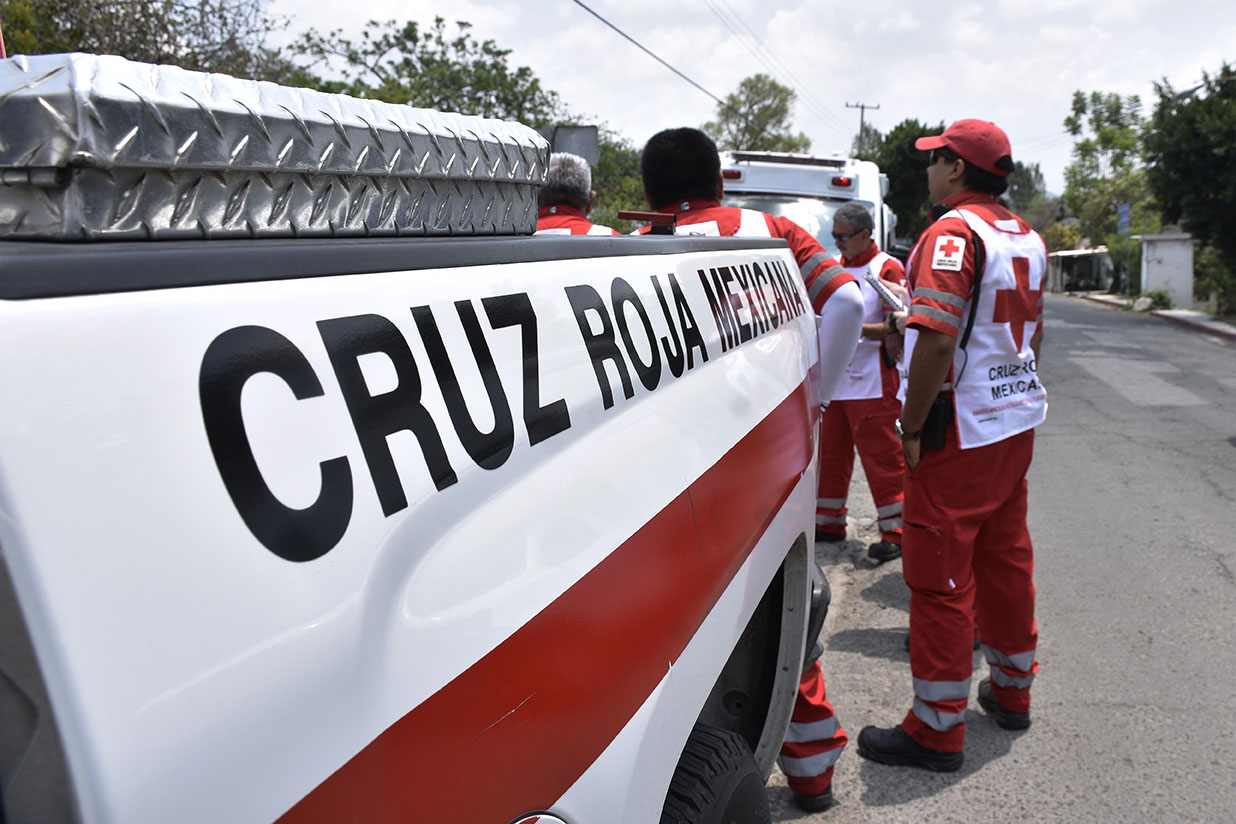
<point x="328" y="493"/>
<point x="808" y="189"/>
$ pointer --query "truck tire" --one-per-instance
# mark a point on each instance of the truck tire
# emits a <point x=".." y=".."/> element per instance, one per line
<point x="716" y="782"/>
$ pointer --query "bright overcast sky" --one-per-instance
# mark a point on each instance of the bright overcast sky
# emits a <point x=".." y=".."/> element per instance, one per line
<point x="1015" y="62"/>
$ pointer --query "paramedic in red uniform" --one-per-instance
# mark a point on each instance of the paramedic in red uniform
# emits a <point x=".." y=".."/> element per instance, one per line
<point x="565" y="200"/>
<point x="682" y="176"/>
<point x="966" y="545"/>
<point x="865" y="405"/>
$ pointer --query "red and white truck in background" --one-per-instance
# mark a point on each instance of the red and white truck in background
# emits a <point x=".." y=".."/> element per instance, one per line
<point x="328" y="493"/>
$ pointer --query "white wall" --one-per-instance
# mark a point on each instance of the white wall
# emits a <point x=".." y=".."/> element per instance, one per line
<point x="1167" y="265"/>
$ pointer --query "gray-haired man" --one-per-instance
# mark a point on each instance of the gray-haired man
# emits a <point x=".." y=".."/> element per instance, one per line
<point x="566" y="199"/>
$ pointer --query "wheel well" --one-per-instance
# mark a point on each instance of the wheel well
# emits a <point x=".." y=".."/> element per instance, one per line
<point x="753" y="696"/>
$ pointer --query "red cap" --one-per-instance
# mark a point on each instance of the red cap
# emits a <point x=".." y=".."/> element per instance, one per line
<point x="975" y="141"/>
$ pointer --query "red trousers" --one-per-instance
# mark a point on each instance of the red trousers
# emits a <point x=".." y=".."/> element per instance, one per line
<point x="868" y="426"/>
<point x="815" y="739"/>
<point x="966" y="549"/>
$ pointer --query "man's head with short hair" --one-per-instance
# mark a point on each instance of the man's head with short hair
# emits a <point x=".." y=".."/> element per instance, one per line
<point x="855" y="216"/>
<point x="679" y="164"/>
<point x="568" y="182"/>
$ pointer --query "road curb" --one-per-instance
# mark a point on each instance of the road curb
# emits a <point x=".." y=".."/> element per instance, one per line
<point x="1209" y="328"/>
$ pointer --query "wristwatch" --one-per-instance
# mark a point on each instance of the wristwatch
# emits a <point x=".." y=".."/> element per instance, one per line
<point x="904" y="435"/>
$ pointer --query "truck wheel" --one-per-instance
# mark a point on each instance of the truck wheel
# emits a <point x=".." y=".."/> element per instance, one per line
<point x="716" y="782"/>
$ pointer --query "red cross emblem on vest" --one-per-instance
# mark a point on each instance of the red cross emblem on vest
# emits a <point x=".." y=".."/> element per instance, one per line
<point x="1019" y="306"/>
<point x="950" y="248"/>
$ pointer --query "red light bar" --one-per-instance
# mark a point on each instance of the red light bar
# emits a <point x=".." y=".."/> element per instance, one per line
<point x="842" y="180"/>
<point x="731" y="174"/>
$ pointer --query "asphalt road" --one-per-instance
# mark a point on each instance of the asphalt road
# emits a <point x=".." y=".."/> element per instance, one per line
<point x="1133" y="513"/>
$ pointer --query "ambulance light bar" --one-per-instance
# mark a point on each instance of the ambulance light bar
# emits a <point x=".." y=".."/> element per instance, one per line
<point x="796" y="159"/>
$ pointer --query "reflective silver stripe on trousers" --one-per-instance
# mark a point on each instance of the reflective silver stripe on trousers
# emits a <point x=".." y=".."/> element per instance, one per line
<point x="936" y="314"/>
<point x="941" y="690"/>
<point x="889" y="524"/>
<point x="938" y="721"/>
<point x="830" y="503"/>
<point x="943" y="297"/>
<point x="799" y="733"/>
<point x="892" y="509"/>
<point x="1022" y="661"/>
<point x="1002" y="679"/>
<point x="820" y="520"/>
<point x="810" y="766"/>
<point x="823" y="280"/>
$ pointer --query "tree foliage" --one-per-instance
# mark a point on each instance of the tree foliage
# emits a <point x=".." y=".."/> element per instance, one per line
<point x="617" y="180"/>
<point x="1025" y="186"/>
<point x="756" y="117"/>
<point x="1106" y="168"/>
<point x="906" y="168"/>
<point x="1190" y="145"/>
<point x="226" y="36"/>
<point x="432" y="68"/>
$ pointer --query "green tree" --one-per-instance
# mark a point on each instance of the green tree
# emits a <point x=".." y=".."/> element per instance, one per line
<point x="866" y="141"/>
<point x="906" y="168"/>
<point x="1191" y="151"/>
<point x="1107" y="171"/>
<point x="205" y="35"/>
<point x="1025" y="186"/>
<point x="431" y="68"/>
<point x="617" y="180"/>
<point x="1061" y="236"/>
<point x="757" y="118"/>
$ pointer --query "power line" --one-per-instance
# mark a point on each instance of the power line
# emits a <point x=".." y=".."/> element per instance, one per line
<point x="812" y="103"/>
<point x="649" y="53"/>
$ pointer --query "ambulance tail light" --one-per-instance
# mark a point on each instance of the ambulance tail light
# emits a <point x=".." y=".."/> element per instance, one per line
<point x="731" y="174"/>
<point x="843" y="180"/>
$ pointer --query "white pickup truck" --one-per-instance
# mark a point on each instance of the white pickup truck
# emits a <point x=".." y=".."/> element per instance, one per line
<point x="328" y="493"/>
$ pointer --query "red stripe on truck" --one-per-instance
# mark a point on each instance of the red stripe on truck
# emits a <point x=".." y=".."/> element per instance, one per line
<point x="514" y="731"/>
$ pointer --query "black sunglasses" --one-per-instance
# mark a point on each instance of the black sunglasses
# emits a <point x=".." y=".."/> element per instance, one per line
<point x="844" y="238"/>
<point x="937" y="154"/>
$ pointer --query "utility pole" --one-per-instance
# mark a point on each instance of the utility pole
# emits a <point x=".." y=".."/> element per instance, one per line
<point x="862" y="112"/>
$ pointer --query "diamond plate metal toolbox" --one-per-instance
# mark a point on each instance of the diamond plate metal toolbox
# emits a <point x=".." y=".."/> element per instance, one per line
<point x="102" y="148"/>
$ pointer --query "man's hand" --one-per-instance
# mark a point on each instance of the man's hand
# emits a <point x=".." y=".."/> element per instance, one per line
<point x="911" y="450"/>
<point x="895" y="345"/>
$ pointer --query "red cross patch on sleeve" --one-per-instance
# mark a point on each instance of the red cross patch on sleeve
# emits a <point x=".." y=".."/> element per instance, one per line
<point x="948" y="253"/>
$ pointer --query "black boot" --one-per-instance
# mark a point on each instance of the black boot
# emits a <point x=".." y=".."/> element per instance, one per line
<point x="815" y="803"/>
<point x="1008" y="719"/>
<point x="894" y="747"/>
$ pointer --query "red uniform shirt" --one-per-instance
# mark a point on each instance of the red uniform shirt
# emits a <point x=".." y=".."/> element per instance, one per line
<point x="560" y="219"/>
<point x="821" y="273"/>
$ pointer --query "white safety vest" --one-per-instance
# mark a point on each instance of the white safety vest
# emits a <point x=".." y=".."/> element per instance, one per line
<point x="996" y="387"/>
<point x="862" y="377"/>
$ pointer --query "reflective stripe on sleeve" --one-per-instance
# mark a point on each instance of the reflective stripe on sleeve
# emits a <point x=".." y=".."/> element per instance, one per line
<point x="938" y="721"/>
<point x="935" y="314"/>
<point x="942" y="297"/>
<point x="812" y="262"/>
<point x="818" y="285"/>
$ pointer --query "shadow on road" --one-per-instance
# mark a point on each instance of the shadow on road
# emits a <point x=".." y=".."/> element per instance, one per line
<point x="873" y="643"/>
<point x="888" y="591"/>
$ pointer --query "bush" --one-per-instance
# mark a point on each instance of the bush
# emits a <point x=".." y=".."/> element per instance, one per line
<point x="1158" y="299"/>
<point x="1213" y="276"/>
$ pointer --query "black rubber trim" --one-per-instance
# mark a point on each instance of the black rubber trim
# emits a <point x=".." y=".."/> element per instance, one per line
<point x="46" y="270"/>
